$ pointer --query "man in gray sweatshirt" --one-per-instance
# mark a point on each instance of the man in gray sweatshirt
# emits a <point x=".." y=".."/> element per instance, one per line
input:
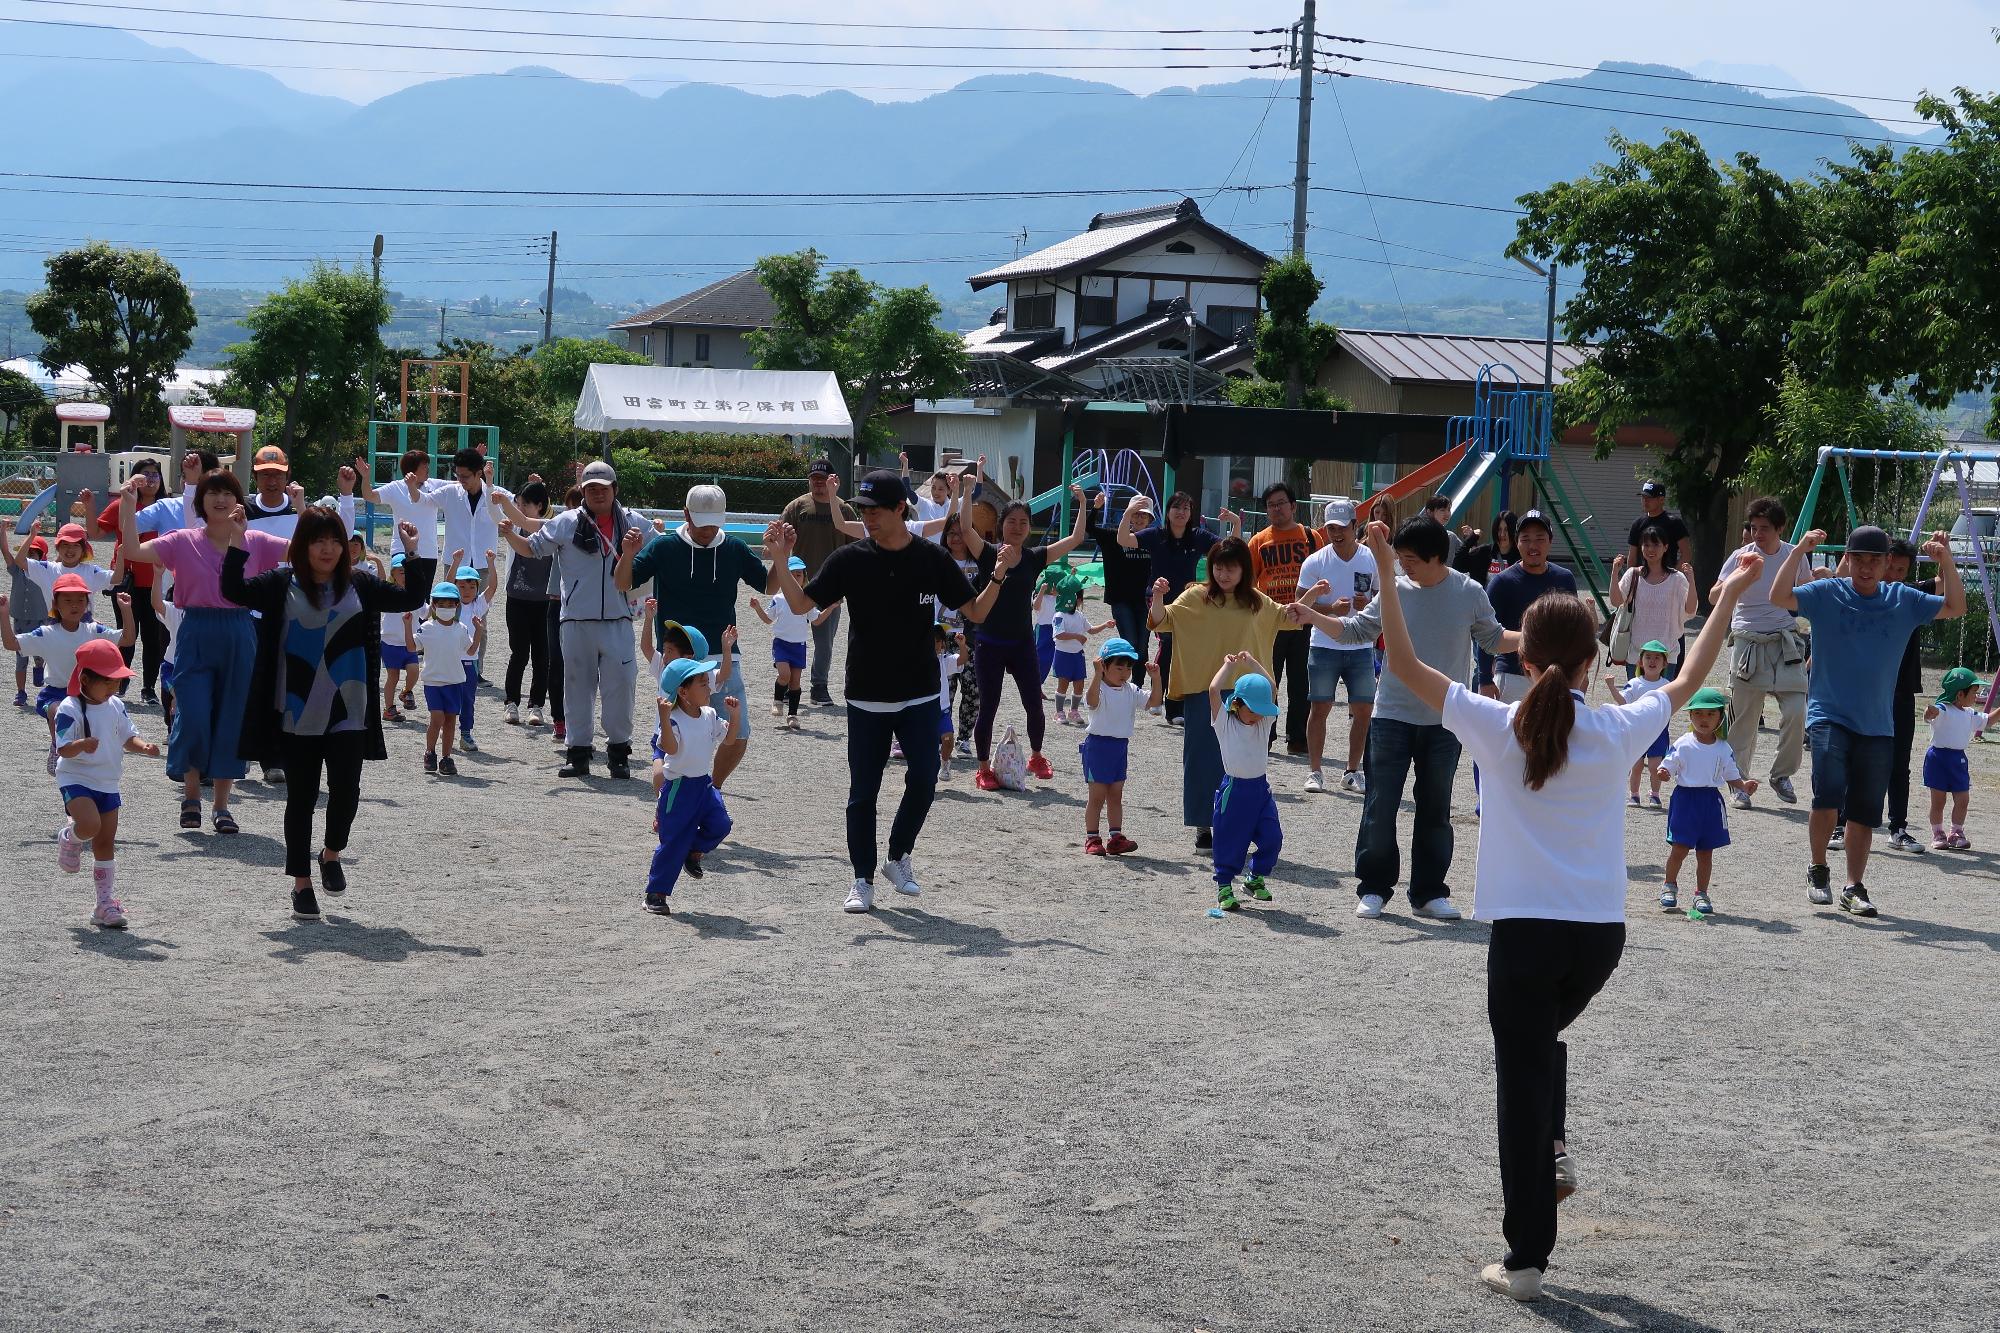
<point x="1446" y="612"/>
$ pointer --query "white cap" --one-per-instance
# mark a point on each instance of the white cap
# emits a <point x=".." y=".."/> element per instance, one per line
<point x="1339" y="513"/>
<point x="706" y="506"/>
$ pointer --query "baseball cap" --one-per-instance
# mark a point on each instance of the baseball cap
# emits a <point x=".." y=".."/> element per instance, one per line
<point x="1117" y="648"/>
<point x="270" y="459"/>
<point x="1254" y="690"/>
<point x="444" y="592"/>
<point x="1653" y="488"/>
<point x="100" y="656"/>
<point x="1536" y="516"/>
<point x="796" y="565"/>
<point x="1956" y="679"/>
<point x="706" y="506"/>
<point x="1653" y="646"/>
<point x="1868" y="540"/>
<point x="35" y="546"/>
<point x="821" y="467"/>
<point x="679" y="671"/>
<point x="881" y="489"/>
<point x="1708" y="697"/>
<point x="72" y="532"/>
<point x="599" y="473"/>
<point x="466" y="572"/>
<point x="70" y="583"/>
<point x="696" y="640"/>
<point x="1339" y="513"/>
<point x="396" y="560"/>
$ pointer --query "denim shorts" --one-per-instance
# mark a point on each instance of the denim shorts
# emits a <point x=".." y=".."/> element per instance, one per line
<point x="1850" y="771"/>
<point x="1327" y="668"/>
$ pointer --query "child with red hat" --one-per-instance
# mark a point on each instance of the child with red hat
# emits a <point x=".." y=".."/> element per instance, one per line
<point x="92" y="733"/>
<point x="56" y="641"/>
<point x="72" y="551"/>
<point x="31" y="608"/>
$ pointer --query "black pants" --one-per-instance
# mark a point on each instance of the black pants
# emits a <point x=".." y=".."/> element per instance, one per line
<point x="304" y="756"/>
<point x="552" y="631"/>
<point x="826" y="637"/>
<point x="1289" y="651"/>
<point x="152" y="634"/>
<point x="527" y="645"/>
<point x="868" y="737"/>
<point x="1539" y="976"/>
<point x="1899" y="773"/>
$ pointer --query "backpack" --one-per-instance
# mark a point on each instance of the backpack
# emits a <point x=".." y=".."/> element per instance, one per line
<point x="1010" y="762"/>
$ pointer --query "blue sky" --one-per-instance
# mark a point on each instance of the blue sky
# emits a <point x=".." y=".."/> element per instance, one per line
<point x="1842" y="46"/>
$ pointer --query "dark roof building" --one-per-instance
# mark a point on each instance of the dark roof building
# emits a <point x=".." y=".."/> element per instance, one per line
<point x="704" y="327"/>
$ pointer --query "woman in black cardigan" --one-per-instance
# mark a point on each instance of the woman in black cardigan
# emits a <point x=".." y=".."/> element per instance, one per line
<point x="315" y="691"/>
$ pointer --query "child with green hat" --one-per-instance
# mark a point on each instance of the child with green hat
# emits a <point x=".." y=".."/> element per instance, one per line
<point x="1955" y="719"/>
<point x="1245" y="813"/>
<point x="1652" y="676"/>
<point x="1701" y="766"/>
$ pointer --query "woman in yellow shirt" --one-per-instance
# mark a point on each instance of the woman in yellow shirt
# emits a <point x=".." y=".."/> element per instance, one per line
<point x="1209" y="621"/>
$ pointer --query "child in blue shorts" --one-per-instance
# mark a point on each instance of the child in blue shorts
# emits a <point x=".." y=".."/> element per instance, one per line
<point x="1245" y="812"/>
<point x="93" y="734"/>
<point x="1114" y="700"/>
<point x="690" y="817"/>
<point x="445" y="639"/>
<point x="1955" y="719"/>
<point x="30" y="610"/>
<point x="953" y="657"/>
<point x="790" y="632"/>
<point x="398" y="661"/>
<point x="678" y="641"/>
<point x="1652" y="676"/>
<point x="1701" y="765"/>
<point x="57" y="640"/>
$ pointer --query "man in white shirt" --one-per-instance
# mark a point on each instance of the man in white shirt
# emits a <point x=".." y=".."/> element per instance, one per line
<point x="1349" y="572"/>
<point x="467" y="505"/>
<point x="413" y="499"/>
<point x="1767" y="656"/>
<point x="275" y="505"/>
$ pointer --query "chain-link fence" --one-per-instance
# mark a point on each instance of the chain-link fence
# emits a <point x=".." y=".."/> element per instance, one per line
<point x="747" y="495"/>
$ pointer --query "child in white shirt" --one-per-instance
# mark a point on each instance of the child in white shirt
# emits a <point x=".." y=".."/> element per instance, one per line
<point x="473" y="586"/>
<point x="678" y="641"/>
<point x="93" y="732"/>
<point x="399" y="664"/>
<point x="790" y="632"/>
<point x="1072" y="631"/>
<point x="72" y="552"/>
<point x="1245" y="812"/>
<point x="1701" y="765"/>
<point x="1955" y="719"/>
<point x="445" y="639"/>
<point x="1652" y="676"/>
<point x="690" y="817"/>
<point x="953" y="657"/>
<point x="57" y="640"/>
<point x="1114" y="700"/>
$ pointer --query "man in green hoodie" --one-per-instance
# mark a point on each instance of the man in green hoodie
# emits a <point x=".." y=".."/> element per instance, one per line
<point x="695" y="571"/>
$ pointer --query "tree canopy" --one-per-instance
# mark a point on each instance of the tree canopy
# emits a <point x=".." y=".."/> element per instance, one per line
<point x="564" y="363"/>
<point x="311" y="349"/>
<point x="126" y="317"/>
<point x="1291" y="344"/>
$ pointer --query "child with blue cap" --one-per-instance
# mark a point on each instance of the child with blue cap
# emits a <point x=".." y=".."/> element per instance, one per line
<point x="791" y="631"/>
<point x="398" y="662"/>
<point x="1245" y="812"/>
<point x="472" y="597"/>
<point x="446" y="639"/>
<point x="690" y="817"/>
<point x="678" y="641"/>
<point x="1114" y="700"/>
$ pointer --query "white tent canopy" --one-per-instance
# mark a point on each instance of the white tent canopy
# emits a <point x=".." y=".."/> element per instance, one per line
<point x="728" y="402"/>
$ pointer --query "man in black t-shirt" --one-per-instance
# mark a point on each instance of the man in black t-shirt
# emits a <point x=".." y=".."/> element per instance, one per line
<point x="1655" y="514"/>
<point x="1128" y="578"/>
<point x="892" y="584"/>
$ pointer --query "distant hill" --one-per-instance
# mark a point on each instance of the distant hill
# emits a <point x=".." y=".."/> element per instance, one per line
<point x="539" y="131"/>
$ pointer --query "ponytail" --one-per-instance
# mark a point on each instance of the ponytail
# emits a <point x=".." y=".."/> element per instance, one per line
<point x="1558" y="635"/>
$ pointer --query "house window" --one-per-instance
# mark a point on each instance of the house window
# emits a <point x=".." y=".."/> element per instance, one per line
<point x="701" y="347"/>
<point x="646" y="346"/>
<point x="1232" y="321"/>
<point x="1096" y="310"/>
<point x="1035" y="312"/>
<point x="1179" y="248"/>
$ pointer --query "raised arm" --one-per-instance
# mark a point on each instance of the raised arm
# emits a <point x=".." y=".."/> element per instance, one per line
<point x="1156" y="609"/>
<point x="1231" y="520"/>
<point x="1078" y="531"/>
<point x="1687" y="577"/>
<point x="779" y="538"/>
<point x="1950" y="586"/>
<point x="128" y="525"/>
<point x="1617" y="594"/>
<point x="507" y="534"/>
<point x="1427" y="683"/>
<point x="364" y="481"/>
<point x="1784" y="585"/>
<point x="1006" y="560"/>
<point x="1707" y="646"/>
<point x="1126" y="537"/>
<point x="628" y="549"/>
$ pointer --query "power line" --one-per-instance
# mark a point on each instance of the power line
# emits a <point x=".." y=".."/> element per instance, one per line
<point x="1418" y="199"/>
<point x="1420" y="268"/>
<point x="1039" y="67"/>
<point x="1362" y="179"/>
<point x="798" y="23"/>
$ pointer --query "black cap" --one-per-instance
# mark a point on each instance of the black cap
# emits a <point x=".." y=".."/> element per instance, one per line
<point x="1536" y="517"/>
<point x="1868" y="541"/>
<point x="821" y="467"/>
<point x="881" y="489"/>
<point x="1653" y="488"/>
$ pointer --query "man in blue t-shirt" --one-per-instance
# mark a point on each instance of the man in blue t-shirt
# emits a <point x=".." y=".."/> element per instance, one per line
<point x="1861" y="626"/>
<point x="1516" y="588"/>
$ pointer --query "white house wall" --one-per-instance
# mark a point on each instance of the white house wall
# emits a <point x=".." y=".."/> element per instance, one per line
<point x="1007" y="440"/>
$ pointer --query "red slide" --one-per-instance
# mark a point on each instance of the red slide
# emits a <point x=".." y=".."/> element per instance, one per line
<point x="1423" y="479"/>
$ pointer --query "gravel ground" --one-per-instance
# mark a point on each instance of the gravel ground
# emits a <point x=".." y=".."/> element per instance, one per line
<point x="489" y="1091"/>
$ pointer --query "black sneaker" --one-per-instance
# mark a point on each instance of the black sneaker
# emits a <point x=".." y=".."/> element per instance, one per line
<point x="447" y="767"/>
<point x="1854" y="899"/>
<point x="332" y="876"/>
<point x="1204" y="839"/>
<point x="658" y="904"/>
<point x="148" y="697"/>
<point x="1819" y="880"/>
<point x="430" y="763"/>
<point x="822" y="698"/>
<point x="692" y="866"/>
<point x="304" y="905"/>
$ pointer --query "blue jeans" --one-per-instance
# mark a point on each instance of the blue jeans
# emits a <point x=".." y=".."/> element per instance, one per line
<point x="1130" y="617"/>
<point x="1394" y="748"/>
<point x="868" y="737"/>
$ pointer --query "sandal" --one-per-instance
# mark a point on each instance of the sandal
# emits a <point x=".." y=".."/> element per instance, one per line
<point x="224" y="823"/>
<point x="191" y="814"/>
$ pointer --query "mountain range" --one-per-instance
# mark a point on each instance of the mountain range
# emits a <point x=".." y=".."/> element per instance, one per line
<point x="112" y="106"/>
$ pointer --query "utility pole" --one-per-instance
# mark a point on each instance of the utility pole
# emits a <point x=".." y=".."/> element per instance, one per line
<point x="1302" y="56"/>
<point x="375" y="357"/>
<point x="1549" y="338"/>
<point x="549" y="301"/>
<point x="440" y="330"/>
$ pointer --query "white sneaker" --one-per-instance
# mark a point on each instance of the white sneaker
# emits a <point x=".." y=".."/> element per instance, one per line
<point x="1314" y="782"/>
<point x="513" y="715"/>
<point x="1440" y="909"/>
<point x="1523" y="1284"/>
<point x="777" y="710"/>
<point x="1370" y="906"/>
<point x="791" y="722"/>
<point x="1354" y="781"/>
<point x="860" y="898"/>
<point x="902" y="877"/>
<point x="964" y="750"/>
<point x="1742" y="799"/>
<point x="534" y="717"/>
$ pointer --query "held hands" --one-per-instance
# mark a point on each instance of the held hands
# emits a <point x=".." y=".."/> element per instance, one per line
<point x="778" y="539"/>
<point x="1153" y="672"/>
<point x="1378" y="538"/>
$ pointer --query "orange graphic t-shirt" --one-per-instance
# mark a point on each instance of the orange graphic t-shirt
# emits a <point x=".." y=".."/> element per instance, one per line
<point x="1276" y="557"/>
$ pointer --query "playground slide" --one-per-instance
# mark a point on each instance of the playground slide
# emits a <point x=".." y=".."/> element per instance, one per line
<point x="1420" y="481"/>
<point x="1466" y="482"/>
<point x="33" y="510"/>
<point x="1050" y="498"/>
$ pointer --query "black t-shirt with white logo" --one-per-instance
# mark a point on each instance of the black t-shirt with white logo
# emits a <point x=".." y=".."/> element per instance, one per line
<point x="1671" y="525"/>
<point x="892" y="599"/>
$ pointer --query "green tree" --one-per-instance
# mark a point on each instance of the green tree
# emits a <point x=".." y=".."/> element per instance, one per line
<point x="564" y="364"/>
<point x="125" y="316"/>
<point x="19" y="398"/>
<point x="1694" y="274"/>
<point x="882" y="343"/>
<point x="1291" y="344"/>
<point x="1807" y="416"/>
<point x="313" y="345"/>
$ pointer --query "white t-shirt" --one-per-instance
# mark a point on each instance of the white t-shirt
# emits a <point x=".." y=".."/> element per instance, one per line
<point x="1639" y="687"/>
<point x="948" y="666"/>
<point x="1117" y="706"/>
<point x="787" y="624"/>
<point x="1754" y="612"/>
<point x="473" y="610"/>
<point x="57" y="647"/>
<point x="44" y="573"/>
<point x="928" y="509"/>
<point x="102" y="769"/>
<point x="1558" y="853"/>
<point x="1954" y="727"/>
<point x="1692" y="763"/>
<point x="446" y="650"/>
<point x="1353" y="579"/>
<point x="698" y="739"/>
<point x="1243" y="745"/>
<point x="1045" y="609"/>
<point x="1071" y="622"/>
<point x="421" y="511"/>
